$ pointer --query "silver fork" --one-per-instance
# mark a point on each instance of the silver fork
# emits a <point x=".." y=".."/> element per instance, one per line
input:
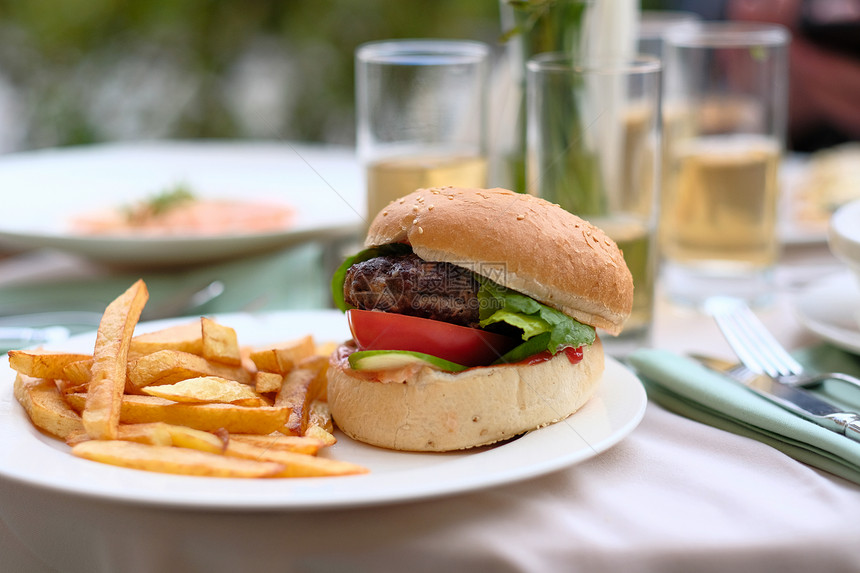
<point x="759" y="351"/>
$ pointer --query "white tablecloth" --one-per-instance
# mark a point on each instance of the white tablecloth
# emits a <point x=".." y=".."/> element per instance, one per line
<point x="675" y="495"/>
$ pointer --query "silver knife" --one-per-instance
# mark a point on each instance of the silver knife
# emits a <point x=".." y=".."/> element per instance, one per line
<point x="796" y="400"/>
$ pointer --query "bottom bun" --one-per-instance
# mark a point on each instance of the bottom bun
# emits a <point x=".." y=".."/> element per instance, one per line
<point x="436" y="411"/>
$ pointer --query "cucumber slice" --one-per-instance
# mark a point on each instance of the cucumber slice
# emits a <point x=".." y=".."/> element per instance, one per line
<point x="391" y="359"/>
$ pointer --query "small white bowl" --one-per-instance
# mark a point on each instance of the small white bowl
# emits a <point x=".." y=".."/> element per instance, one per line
<point x="843" y="238"/>
<point x="843" y="234"/>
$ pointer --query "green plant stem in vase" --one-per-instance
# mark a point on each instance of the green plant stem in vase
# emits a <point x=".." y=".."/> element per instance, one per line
<point x="568" y="171"/>
<point x="533" y="27"/>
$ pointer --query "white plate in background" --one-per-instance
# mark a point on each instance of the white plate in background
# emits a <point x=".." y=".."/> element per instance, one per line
<point x="42" y="190"/>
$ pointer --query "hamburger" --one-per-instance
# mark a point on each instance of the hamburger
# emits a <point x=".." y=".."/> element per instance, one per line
<point x="473" y="315"/>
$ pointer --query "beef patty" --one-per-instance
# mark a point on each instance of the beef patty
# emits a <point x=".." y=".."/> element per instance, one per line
<point x="407" y="284"/>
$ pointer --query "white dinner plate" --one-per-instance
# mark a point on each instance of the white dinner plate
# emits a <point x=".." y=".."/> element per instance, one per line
<point x="37" y="460"/>
<point x="830" y="308"/>
<point x="43" y="190"/>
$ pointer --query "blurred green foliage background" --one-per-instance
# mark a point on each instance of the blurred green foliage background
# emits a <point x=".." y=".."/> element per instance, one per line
<point x="84" y="71"/>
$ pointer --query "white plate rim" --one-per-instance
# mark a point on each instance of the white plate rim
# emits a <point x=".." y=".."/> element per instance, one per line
<point x="612" y="414"/>
<point x="839" y="291"/>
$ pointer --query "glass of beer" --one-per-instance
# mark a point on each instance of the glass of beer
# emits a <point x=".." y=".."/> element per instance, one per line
<point x="726" y="84"/>
<point x="593" y="147"/>
<point x="420" y="116"/>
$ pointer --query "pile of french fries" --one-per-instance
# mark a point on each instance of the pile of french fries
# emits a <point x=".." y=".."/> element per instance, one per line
<point x="184" y="400"/>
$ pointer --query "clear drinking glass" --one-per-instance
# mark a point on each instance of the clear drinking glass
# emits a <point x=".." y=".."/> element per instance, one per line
<point x="726" y="84"/>
<point x="594" y="148"/>
<point x="655" y="24"/>
<point x="421" y="116"/>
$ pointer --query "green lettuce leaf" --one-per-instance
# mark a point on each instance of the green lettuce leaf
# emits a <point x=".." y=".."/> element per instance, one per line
<point x="530" y="347"/>
<point x="543" y="328"/>
<point x="530" y="325"/>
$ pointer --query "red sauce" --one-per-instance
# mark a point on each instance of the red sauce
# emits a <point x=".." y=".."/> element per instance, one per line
<point x="574" y="355"/>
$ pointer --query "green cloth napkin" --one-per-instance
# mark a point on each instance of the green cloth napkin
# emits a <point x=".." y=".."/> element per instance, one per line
<point x="684" y="386"/>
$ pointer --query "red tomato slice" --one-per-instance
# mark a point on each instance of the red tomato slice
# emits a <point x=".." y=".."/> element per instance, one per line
<point x="374" y="330"/>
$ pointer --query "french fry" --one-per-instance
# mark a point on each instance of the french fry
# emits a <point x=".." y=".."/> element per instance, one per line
<point x="265" y="382"/>
<point x="300" y="387"/>
<point x="282" y="358"/>
<point x="294" y="396"/>
<point x="318" y="363"/>
<point x="80" y="372"/>
<point x="295" y="465"/>
<point x="170" y="366"/>
<point x="113" y="338"/>
<point x="167" y="459"/>
<point x="77" y="437"/>
<point x="319" y="415"/>
<point x="186" y="399"/>
<point x="220" y="343"/>
<point x="162" y="434"/>
<point x="45" y="406"/>
<point x="68" y="386"/>
<point x="43" y="363"/>
<point x="207" y="390"/>
<point x="185" y="437"/>
<point x="326" y="348"/>
<point x="187" y="337"/>
<point x="154" y="434"/>
<point x="321" y="434"/>
<point x="247" y="363"/>
<point x="297" y="444"/>
<point x="138" y="409"/>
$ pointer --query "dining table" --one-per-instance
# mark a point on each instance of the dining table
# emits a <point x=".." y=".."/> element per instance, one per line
<point x="666" y="492"/>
